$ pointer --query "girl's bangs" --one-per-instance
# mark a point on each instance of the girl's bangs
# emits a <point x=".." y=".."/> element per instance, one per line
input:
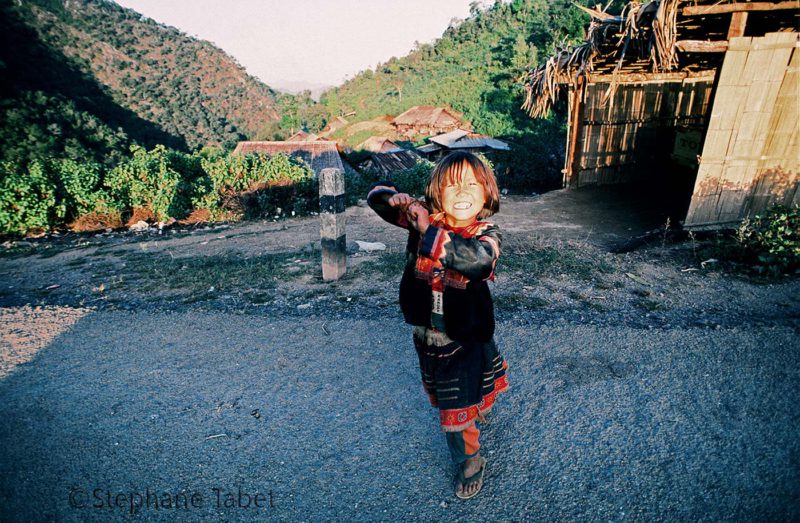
<point x="455" y="173"/>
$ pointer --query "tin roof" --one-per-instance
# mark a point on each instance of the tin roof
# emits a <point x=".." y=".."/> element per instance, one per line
<point x="387" y="163"/>
<point x="461" y="139"/>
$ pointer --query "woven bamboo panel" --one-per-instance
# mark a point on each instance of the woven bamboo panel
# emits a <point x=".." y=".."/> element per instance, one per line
<point x="620" y="134"/>
<point x="776" y="179"/>
<point x="750" y="155"/>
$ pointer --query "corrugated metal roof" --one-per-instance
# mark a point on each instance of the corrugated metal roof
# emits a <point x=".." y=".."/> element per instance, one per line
<point x="319" y="154"/>
<point x="428" y="148"/>
<point x="481" y="142"/>
<point x="461" y="139"/>
<point x="447" y="139"/>
<point x="387" y="163"/>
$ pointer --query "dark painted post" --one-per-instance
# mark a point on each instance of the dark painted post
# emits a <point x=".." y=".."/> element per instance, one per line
<point x="334" y="244"/>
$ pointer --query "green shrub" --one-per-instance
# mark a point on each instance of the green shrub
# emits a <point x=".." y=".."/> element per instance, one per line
<point x="277" y="181"/>
<point x="79" y="187"/>
<point x="167" y="183"/>
<point x="412" y="181"/>
<point x="771" y="241"/>
<point x="27" y="199"/>
<point x="149" y="180"/>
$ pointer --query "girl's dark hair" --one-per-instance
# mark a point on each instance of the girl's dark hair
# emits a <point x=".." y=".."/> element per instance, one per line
<point x="452" y="167"/>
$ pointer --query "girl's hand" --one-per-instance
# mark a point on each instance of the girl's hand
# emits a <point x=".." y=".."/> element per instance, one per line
<point x="418" y="216"/>
<point x="401" y="200"/>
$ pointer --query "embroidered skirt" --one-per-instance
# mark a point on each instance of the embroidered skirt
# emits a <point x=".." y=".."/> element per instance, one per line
<point x="462" y="379"/>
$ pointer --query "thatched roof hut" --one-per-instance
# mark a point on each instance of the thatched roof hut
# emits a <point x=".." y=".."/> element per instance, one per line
<point x="429" y="120"/>
<point x="377" y="144"/>
<point x="334" y="125"/>
<point x="693" y="99"/>
<point x="302" y="136"/>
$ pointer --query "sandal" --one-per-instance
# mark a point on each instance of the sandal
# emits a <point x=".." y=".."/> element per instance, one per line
<point x="475" y="478"/>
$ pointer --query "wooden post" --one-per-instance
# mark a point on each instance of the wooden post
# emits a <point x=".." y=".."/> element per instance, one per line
<point x="738" y="23"/>
<point x="572" y="169"/>
<point x="332" y="224"/>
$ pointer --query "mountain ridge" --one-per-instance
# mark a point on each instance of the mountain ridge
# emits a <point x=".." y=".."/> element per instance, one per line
<point x="179" y="90"/>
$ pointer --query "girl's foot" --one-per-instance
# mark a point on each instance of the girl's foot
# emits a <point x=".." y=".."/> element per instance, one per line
<point x="470" y="478"/>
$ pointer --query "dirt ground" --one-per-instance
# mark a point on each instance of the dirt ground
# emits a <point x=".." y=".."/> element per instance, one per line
<point x="556" y="266"/>
<point x="649" y="385"/>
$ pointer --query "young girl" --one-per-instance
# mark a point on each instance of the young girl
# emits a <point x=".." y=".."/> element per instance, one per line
<point x="450" y="255"/>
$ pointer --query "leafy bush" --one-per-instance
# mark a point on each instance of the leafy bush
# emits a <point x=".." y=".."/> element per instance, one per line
<point x="771" y="241"/>
<point x="149" y="179"/>
<point x="414" y="180"/>
<point x="156" y="184"/>
<point x="79" y="188"/>
<point x="225" y="177"/>
<point x="27" y="199"/>
<point x="411" y="181"/>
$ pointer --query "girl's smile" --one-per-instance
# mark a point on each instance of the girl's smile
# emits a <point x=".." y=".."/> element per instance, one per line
<point x="462" y="200"/>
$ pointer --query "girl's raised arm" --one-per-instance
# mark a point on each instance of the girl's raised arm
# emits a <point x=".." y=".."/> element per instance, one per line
<point x="378" y="200"/>
<point x="474" y="257"/>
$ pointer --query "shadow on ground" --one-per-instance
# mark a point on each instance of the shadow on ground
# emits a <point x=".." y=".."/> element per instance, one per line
<point x="329" y="421"/>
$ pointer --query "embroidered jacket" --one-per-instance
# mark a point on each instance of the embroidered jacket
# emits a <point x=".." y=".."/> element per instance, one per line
<point x="444" y="281"/>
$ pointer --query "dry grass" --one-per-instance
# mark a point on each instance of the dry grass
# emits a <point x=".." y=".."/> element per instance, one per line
<point x="97" y="221"/>
<point x="141" y="214"/>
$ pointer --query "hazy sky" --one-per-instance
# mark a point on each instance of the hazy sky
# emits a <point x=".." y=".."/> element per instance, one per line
<point x="308" y="41"/>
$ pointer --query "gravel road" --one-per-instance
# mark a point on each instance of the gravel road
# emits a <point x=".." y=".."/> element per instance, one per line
<point x="328" y="421"/>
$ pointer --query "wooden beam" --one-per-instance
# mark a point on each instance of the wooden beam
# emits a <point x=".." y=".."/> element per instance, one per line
<point x="699" y="10"/>
<point x="576" y="128"/>
<point x="738" y="22"/>
<point x="701" y="46"/>
<point x="627" y="78"/>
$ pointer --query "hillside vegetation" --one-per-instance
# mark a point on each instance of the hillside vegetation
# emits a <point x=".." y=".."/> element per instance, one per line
<point x="475" y="68"/>
<point x="105" y="112"/>
<point x="84" y="78"/>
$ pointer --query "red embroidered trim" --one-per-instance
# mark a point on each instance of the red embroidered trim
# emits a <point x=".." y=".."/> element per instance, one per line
<point x="453" y="420"/>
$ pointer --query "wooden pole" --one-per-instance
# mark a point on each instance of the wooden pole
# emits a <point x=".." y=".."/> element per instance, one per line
<point x="332" y="224"/>
<point x="716" y="9"/>
<point x="576" y="127"/>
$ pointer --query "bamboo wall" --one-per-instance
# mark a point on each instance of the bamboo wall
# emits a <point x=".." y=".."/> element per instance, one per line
<point x="751" y="154"/>
<point x="618" y="137"/>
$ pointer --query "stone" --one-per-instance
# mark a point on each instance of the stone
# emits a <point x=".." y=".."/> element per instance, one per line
<point x="371" y="246"/>
<point x="139" y="226"/>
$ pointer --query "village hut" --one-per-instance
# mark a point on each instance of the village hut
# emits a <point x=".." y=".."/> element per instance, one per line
<point x="377" y="144"/>
<point x="302" y="136"/>
<point x="429" y="120"/>
<point x="696" y="101"/>
<point x="461" y="140"/>
<point x="334" y="125"/>
<point x="317" y="154"/>
<point x="384" y="164"/>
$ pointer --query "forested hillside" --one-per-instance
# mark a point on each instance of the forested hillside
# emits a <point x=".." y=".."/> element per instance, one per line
<point x="83" y="78"/>
<point x="474" y="68"/>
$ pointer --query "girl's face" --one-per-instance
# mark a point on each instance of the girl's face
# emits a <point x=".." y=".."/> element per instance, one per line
<point x="462" y="201"/>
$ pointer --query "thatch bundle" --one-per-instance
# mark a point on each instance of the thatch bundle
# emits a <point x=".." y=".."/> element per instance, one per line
<point x="640" y="32"/>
